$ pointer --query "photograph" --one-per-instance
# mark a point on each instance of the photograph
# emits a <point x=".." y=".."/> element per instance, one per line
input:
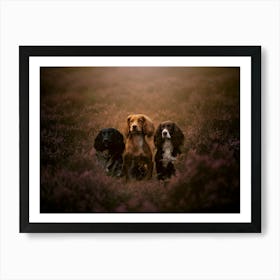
<point x="139" y="139"/>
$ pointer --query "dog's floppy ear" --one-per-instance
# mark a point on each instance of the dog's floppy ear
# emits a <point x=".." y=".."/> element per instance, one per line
<point x="158" y="137"/>
<point x="126" y="129"/>
<point x="148" y="126"/>
<point x="178" y="138"/>
<point x="118" y="142"/>
<point x="98" y="142"/>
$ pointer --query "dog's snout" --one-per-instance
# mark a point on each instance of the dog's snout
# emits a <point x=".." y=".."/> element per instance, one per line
<point x="105" y="142"/>
<point x="134" y="127"/>
<point x="165" y="134"/>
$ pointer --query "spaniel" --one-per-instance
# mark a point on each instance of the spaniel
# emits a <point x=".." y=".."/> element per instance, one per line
<point x="138" y="157"/>
<point x="168" y="139"/>
<point x="109" y="146"/>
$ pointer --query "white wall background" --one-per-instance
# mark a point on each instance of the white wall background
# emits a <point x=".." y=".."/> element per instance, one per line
<point x="139" y="256"/>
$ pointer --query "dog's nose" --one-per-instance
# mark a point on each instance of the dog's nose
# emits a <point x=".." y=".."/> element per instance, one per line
<point x="134" y="127"/>
<point x="164" y="133"/>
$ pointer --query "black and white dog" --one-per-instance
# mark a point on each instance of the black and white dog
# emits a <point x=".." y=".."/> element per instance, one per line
<point x="168" y="139"/>
<point x="109" y="146"/>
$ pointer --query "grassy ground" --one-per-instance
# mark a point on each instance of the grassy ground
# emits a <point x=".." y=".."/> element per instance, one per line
<point x="77" y="102"/>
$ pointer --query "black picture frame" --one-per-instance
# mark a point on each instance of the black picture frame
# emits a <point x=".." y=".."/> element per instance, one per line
<point x="254" y="52"/>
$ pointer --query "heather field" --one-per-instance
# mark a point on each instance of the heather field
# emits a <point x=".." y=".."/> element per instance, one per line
<point x="77" y="102"/>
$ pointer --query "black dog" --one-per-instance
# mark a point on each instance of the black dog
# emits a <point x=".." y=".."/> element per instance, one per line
<point x="109" y="146"/>
<point x="168" y="140"/>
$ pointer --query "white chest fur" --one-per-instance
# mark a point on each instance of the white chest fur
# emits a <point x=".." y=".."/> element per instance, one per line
<point x="167" y="152"/>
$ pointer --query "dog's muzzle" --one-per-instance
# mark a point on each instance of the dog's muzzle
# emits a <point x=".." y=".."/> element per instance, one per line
<point x="165" y="134"/>
<point x="135" y="129"/>
<point x="106" y="143"/>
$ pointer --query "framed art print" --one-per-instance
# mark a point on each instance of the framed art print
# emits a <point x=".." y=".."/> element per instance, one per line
<point x="140" y="138"/>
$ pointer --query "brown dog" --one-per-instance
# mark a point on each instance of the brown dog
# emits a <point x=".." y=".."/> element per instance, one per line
<point x="138" y="157"/>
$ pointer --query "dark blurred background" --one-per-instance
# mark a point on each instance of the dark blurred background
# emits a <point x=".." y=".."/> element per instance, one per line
<point x="77" y="102"/>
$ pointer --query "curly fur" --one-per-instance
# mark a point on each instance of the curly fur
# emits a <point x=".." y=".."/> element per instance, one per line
<point x="168" y="140"/>
<point x="109" y="146"/>
<point x="138" y="158"/>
